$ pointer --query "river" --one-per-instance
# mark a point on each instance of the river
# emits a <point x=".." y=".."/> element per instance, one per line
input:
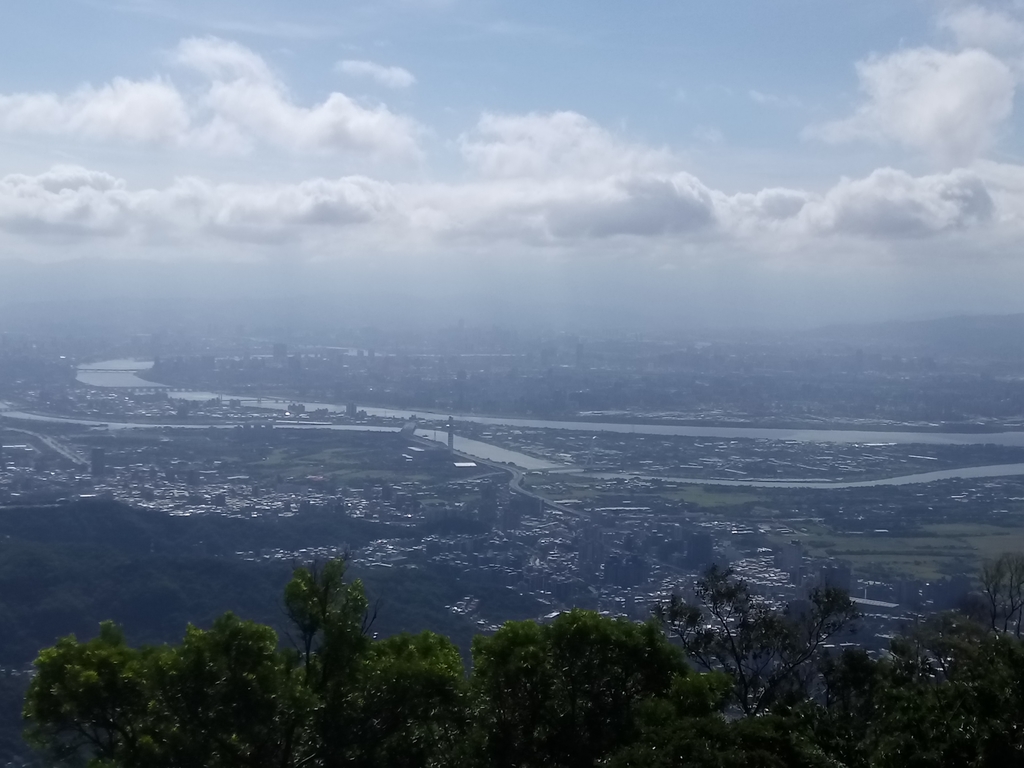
<point x="122" y="373"/>
<point x="128" y="379"/>
<point x="463" y="445"/>
<point x="968" y="473"/>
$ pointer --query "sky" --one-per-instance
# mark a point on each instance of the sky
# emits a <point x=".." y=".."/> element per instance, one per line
<point x="743" y="162"/>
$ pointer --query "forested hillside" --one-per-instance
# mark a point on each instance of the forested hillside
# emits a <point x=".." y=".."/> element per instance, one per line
<point x="66" y="568"/>
<point x="761" y="688"/>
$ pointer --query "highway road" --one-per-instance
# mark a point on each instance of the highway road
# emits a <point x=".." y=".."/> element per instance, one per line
<point x="54" y="445"/>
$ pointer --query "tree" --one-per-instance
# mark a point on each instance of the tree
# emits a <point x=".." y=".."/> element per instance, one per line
<point x="411" y="704"/>
<point x="229" y="697"/>
<point x="1002" y="582"/>
<point x="769" y="741"/>
<point x="946" y="695"/>
<point x="224" y="697"/>
<point x="329" y="616"/>
<point x="581" y="691"/>
<point x="92" y="699"/>
<point x="771" y="656"/>
<point x="566" y="694"/>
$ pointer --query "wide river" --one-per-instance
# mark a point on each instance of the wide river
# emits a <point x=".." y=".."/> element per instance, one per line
<point x="122" y="373"/>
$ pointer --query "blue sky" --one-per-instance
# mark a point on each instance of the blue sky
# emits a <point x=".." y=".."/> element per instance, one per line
<point x="864" y="158"/>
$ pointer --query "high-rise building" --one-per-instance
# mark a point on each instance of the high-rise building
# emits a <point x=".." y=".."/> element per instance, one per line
<point x="625" y="570"/>
<point x="838" y="576"/>
<point x="98" y="462"/>
<point x="789" y="557"/>
<point x="700" y="550"/>
<point x="451" y="434"/>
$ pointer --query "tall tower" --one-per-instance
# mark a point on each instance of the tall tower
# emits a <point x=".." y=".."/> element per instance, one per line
<point x="451" y="434"/>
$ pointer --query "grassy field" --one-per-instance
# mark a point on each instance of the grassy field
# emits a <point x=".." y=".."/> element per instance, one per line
<point x="376" y="459"/>
<point x="343" y="465"/>
<point x="704" y="496"/>
<point x="986" y="540"/>
<point x="582" y="487"/>
<point x="934" y="551"/>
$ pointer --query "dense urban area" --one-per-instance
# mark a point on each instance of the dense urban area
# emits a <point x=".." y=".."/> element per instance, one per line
<point x="473" y="476"/>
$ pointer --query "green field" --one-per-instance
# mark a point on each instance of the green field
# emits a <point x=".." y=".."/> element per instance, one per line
<point x="582" y="487"/>
<point x="929" y="553"/>
<point x="706" y="496"/>
<point x="343" y="465"/>
<point x="353" y="459"/>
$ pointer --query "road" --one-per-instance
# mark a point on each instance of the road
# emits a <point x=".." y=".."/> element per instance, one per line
<point x="53" y="445"/>
<point x="516" y="486"/>
<point x="515" y="483"/>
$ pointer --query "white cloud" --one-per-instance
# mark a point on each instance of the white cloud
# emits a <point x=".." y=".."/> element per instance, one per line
<point x="646" y="206"/>
<point x="65" y="200"/>
<point x="975" y="26"/>
<point x="219" y="59"/>
<point x="556" y="181"/>
<point x="272" y="212"/>
<point x="771" y="100"/>
<point x="250" y="104"/>
<point x="73" y="200"/>
<point x="557" y="143"/>
<point x="888" y="205"/>
<point x="949" y="105"/>
<point x="151" y="111"/>
<point x="259" y="112"/>
<point x="565" y="210"/>
<point x="390" y="77"/>
<point x="242" y="105"/>
<point x="767" y="211"/>
<point x="893" y="204"/>
<point x="651" y="210"/>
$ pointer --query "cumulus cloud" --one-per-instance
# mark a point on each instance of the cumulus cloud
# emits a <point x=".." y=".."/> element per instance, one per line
<point x="648" y="208"/>
<point x="74" y="200"/>
<point x="242" y="105"/>
<point x="891" y="203"/>
<point x="565" y="210"/>
<point x="256" y="212"/>
<point x="150" y="111"/>
<point x="645" y="206"/>
<point x="65" y="200"/>
<point x="975" y="26"/>
<point x="557" y="180"/>
<point x="248" y="104"/>
<point x="887" y="205"/>
<point x="550" y="144"/>
<point x="389" y="77"/>
<point x="755" y="214"/>
<point x="949" y="105"/>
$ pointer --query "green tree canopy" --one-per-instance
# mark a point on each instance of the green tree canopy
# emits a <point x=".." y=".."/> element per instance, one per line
<point x="578" y="692"/>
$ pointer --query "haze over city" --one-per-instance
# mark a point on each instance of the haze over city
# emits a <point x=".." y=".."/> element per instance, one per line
<point x="477" y="384"/>
<point x="746" y="163"/>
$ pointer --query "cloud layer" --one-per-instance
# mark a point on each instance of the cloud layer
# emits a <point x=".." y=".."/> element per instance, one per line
<point x="597" y="190"/>
<point x="239" y="106"/>
<point x="535" y="183"/>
